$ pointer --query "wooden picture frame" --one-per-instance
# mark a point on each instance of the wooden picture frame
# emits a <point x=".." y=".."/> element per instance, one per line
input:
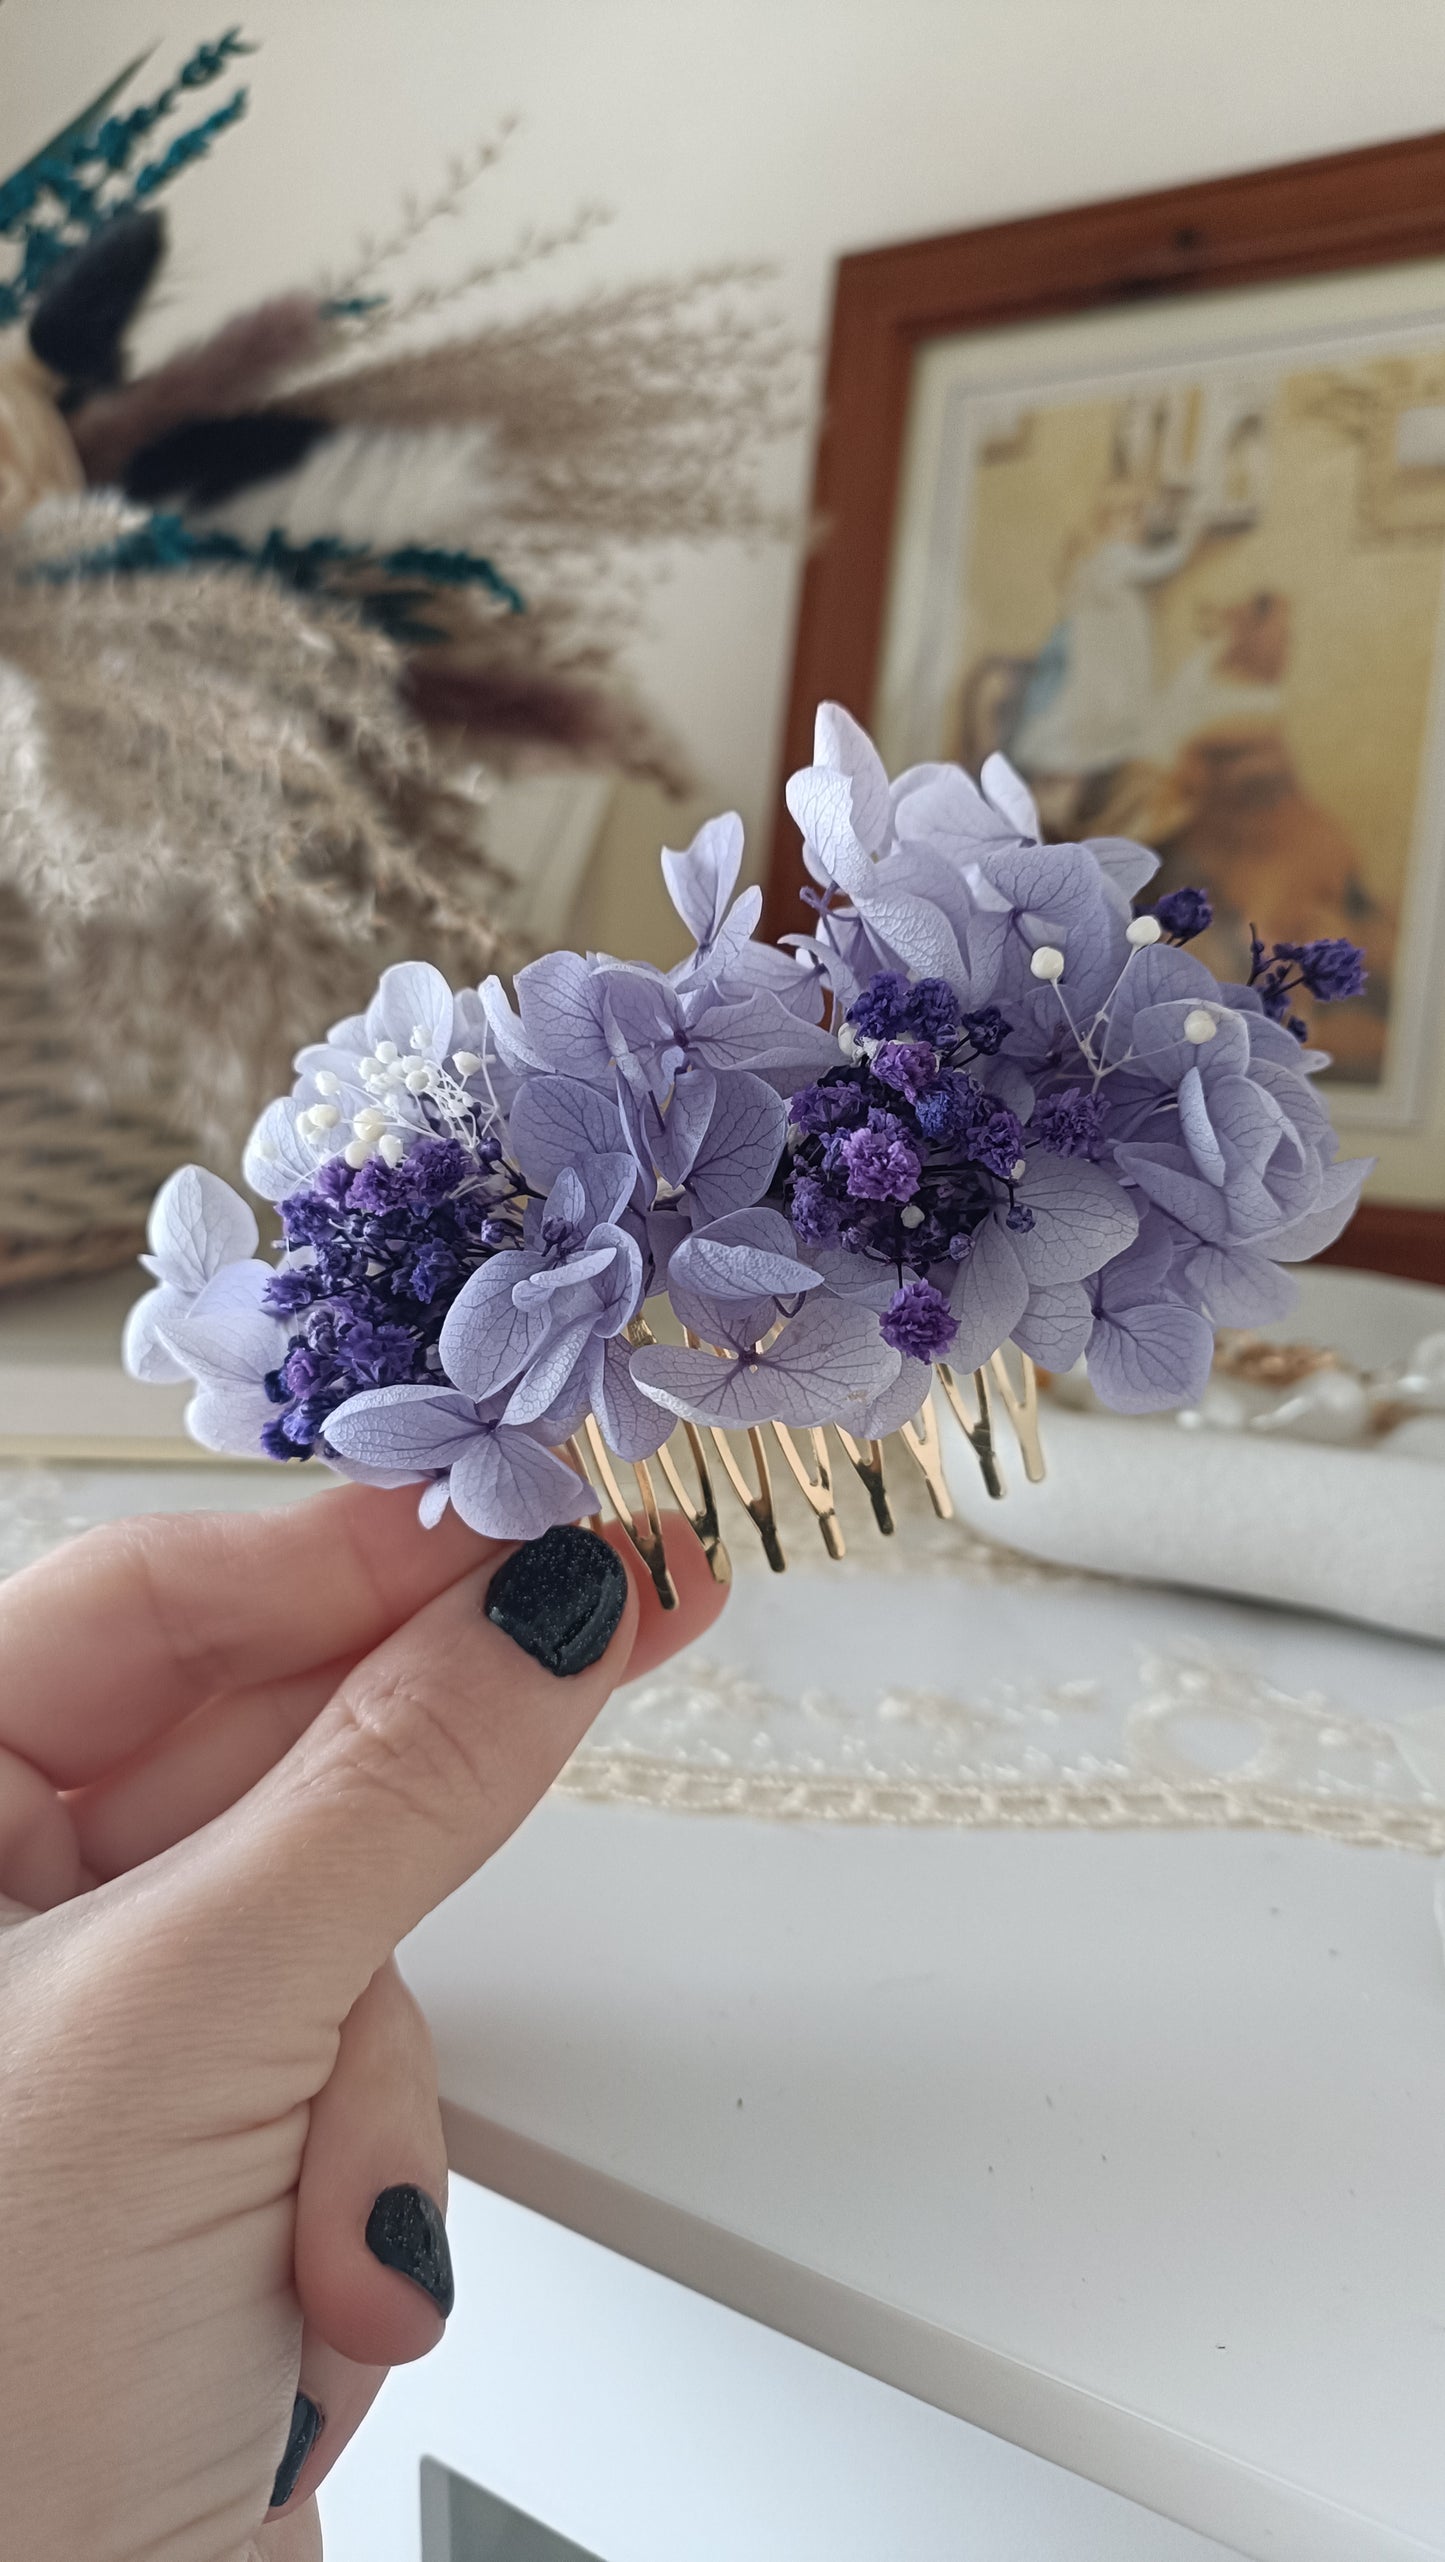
<point x="1355" y="210"/>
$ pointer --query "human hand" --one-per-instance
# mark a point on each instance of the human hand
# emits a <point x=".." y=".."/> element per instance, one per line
<point x="240" y="1757"/>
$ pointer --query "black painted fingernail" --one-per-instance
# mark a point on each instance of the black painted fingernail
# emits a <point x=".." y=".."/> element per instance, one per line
<point x="560" y="1597"/>
<point x="405" y="2231"/>
<point x="305" y="2430"/>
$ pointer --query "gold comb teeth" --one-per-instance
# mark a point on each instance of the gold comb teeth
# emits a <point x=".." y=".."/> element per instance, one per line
<point x="810" y="1466"/>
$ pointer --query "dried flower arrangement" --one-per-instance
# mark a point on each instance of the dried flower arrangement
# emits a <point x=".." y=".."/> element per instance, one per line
<point x="982" y="1102"/>
<point x="280" y="585"/>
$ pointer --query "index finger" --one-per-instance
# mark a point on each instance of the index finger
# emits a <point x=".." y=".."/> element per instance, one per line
<point x="116" y="1636"/>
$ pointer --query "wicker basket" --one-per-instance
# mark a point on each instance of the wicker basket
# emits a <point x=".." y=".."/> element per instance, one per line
<point x="75" y="1185"/>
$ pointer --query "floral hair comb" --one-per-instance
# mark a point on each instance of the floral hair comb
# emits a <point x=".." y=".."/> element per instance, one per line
<point x="983" y="1104"/>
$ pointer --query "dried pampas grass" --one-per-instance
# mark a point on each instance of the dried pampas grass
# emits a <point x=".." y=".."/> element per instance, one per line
<point x="222" y="823"/>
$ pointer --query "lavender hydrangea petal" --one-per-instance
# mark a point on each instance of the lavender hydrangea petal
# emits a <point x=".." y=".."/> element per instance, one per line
<point x="1165" y="1174"/>
<point x="1318" y="1227"/>
<point x="756" y="1032"/>
<point x="631" y="1423"/>
<point x="1056" y="1325"/>
<point x="854" y="1276"/>
<point x="739" y="1151"/>
<point x="1147" y="1359"/>
<point x="558" y="1122"/>
<point x="1235" y="1286"/>
<point x="894" y="1405"/>
<point x="917" y="935"/>
<point x="412" y="998"/>
<point x="1197" y="1130"/>
<point x="550" y="1373"/>
<point x="793" y="976"/>
<point x="821" y="801"/>
<point x="751" y="1254"/>
<point x="1011" y="797"/>
<point x="988" y="1297"/>
<point x="617" y="1294"/>
<point x="227" y="1338"/>
<point x="723" y="963"/>
<point x="641" y="1014"/>
<point x="1156" y="976"/>
<point x="509" y="1486"/>
<point x="946" y="812"/>
<point x="1082" y="1217"/>
<point x="487" y="1339"/>
<point x="608" y="1184"/>
<point x="841" y="743"/>
<point x="700" y="880"/>
<point x="433" y="1503"/>
<point x="671" y="1139"/>
<point x="827" y="1365"/>
<point x="506" y="1030"/>
<point x="538" y="1289"/>
<point x="561" y="1017"/>
<point x="1129" y="868"/>
<point x="415" y="1430"/>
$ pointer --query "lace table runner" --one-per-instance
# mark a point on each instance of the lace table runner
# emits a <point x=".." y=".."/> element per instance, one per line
<point x="937" y="1679"/>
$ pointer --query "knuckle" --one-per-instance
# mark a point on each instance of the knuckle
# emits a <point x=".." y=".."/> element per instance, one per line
<point x="409" y="1733"/>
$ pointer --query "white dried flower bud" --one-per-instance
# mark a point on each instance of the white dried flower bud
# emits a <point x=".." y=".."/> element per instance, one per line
<point x="1048" y="962"/>
<point x="1199" y="1025"/>
<point x="466" y="1062"/>
<point x="392" y="1149"/>
<point x="1144" y="929"/>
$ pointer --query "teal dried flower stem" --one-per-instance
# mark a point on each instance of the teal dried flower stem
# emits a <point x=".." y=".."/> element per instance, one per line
<point x="66" y="192"/>
<point x="325" y="567"/>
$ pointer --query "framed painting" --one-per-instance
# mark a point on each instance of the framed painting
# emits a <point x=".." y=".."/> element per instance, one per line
<point x="1151" y="496"/>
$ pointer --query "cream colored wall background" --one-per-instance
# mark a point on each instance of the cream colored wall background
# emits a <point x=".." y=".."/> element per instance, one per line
<point x="781" y="129"/>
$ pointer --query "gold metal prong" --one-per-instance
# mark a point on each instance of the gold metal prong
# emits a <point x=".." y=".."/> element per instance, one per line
<point x="921" y="1441"/>
<point x="869" y="1465"/>
<point x="817" y="1490"/>
<point x="1022" y="1410"/>
<point x="702" y="1514"/>
<point x="574" y="1459"/>
<point x="645" y="1532"/>
<point x="759" y="1506"/>
<point x="977" y="1430"/>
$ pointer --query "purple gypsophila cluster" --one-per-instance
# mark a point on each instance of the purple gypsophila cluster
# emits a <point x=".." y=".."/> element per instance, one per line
<point x="981" y="1100"/>
<point x="1326" y="970"/>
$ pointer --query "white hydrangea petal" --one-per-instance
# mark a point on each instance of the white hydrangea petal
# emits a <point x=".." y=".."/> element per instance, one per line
<point x="143" y="1348"/>
<point x="197" y="1223"/>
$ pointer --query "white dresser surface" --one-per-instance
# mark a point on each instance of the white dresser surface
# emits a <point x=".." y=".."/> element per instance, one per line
<point x="1126" y="2146"/>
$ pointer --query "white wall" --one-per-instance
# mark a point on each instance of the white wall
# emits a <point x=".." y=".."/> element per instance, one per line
<point x="781" y="129"/>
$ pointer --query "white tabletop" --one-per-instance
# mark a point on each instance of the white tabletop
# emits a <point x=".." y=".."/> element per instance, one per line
<point x="1130" y="2147"/>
